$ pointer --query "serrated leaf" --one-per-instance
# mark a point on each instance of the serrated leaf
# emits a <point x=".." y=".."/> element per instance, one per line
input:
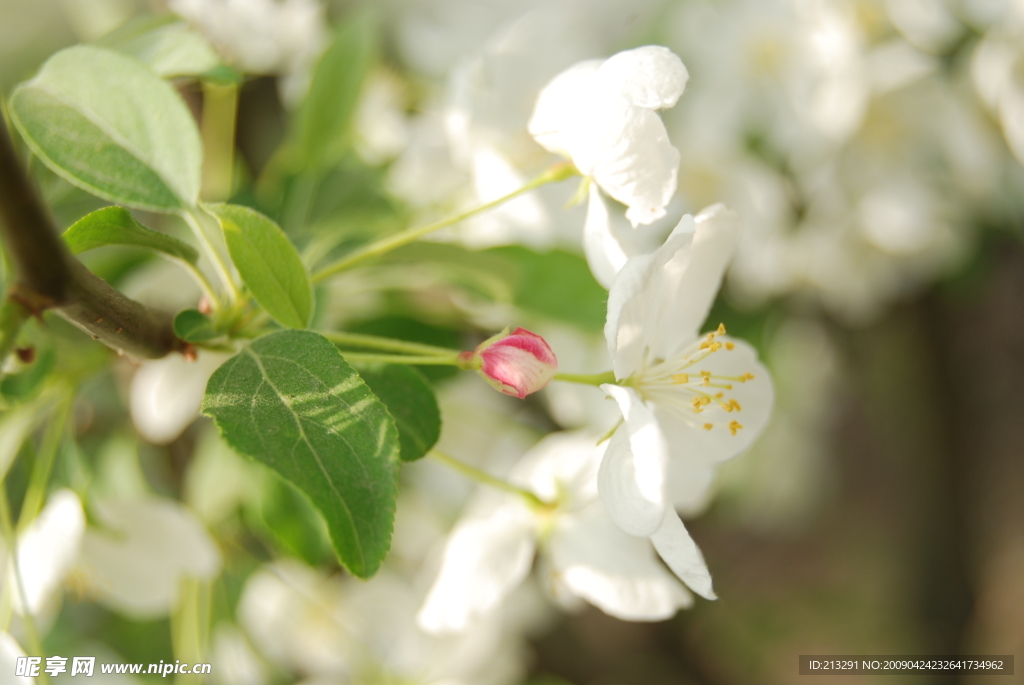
<point x="106" y="123"/>
<point x="290" y="401"/>
<point x="326" y="113"/>
<point x="408" y="396"/>
<point x="268" y="263"/>
<point x="117" y="226"/>
<point x="191" y="325"/>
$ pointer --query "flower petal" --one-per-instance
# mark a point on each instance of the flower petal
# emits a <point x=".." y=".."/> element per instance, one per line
<point x="680" y="552"/>
<point x="558" y="103"/>
<point x="614" y="571"/>
<point x="137" y="567"/>
<point x="605" y="254"/>
<point x="626" y="150"/>
<point x="166" y="394"/>
<point x="755" y="397"/>
<point x="48" y="550"/>
<point x="631" y="479"/>
<point x="484" y="560"/>
<point x="651" y="76"/>
<point x="624" y="327"/>
<point x="660" y="310"/>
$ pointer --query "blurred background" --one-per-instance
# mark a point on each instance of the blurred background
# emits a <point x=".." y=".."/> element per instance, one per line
<point x="874" y="150"/>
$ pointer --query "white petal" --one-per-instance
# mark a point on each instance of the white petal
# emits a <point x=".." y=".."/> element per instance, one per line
<point x="562" y="464"/>
<point x="689" y="481"/>
<point x="614" y="571"/>
<point x="651" y="76"/>
<point x="605" y="254"/>
<point x="631" y="480"/>
<point x="756" y="397"/>
<point x="485" y="558"/>
<point x="680" y="552"/>
<point x="152" y="544"/>
<point x="166" y="394"/>
<point x="624" y="327"/>
<point x="558" y="105"/>
<point x="48" y="549"/>
<point x="657" y="308"/>
<point x="10" y="650"/>
<point x="626" y="150"/>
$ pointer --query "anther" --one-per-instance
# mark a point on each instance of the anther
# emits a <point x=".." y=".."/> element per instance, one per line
<point x="734" y="426"/>
<point x="708" y="426"/>
<point x="730" y="346"/>
<point x="721" y="329"/>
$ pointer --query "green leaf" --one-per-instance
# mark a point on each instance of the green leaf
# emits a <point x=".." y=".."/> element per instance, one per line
<point x="106" y="123"/>
<point x="268" y="263"/>
<point x="192" y="325"/>
<point x="291" y="401"/>
<point x="412" y="403"/>
<point x="117" y="226"/>
<point x="326" y="115"/>
<point x="171" y="48"/>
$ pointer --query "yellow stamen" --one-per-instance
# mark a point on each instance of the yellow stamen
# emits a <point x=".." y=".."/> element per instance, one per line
<point x="746" y="377"/>
<point x="730" y="346"/>
<point x="721" y="329"/>
<point x="708" y="426"/>
<point x="734" y="426"/>
<point x="735" y="405"/>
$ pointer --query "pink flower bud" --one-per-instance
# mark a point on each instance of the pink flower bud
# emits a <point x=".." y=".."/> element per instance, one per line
<point x="516" y="363"/>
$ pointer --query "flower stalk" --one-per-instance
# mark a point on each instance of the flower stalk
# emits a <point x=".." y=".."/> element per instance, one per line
<point x="556" y="173"/>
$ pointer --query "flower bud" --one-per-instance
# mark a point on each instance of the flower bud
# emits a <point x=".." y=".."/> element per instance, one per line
<point x="516" y="363"/>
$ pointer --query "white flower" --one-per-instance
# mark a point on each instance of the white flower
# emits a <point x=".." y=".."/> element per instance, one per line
<point x="10" y="650"/>
<point x="47" y="551"/>
<point x="688" y="402"/>
<point x="601" y="114"/>
<point x="263" y="36"/>
<point x="166" y="394"/>
<point x="491" y="549"/>
<point x="148" y="546"/>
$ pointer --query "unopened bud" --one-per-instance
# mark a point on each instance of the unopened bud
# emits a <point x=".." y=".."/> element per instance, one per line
<point x="516" y="363"/>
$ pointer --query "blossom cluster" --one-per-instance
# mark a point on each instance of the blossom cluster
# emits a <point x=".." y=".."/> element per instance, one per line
<point x="777" y="147"/>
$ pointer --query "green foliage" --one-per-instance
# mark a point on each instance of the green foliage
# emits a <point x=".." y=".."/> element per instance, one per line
<point x="558" y="285"/>
<point x="291" y="401"/>
<point x="193" y="326"/>
<point x="268" y="264"/>
<point x="290" y="522"/>
<point x="171" y="48"/>
<point x="411" y="401"/>
<point x="108" y="124"/>
<point x="117" y="226"/>
<point x="325" y="118"/>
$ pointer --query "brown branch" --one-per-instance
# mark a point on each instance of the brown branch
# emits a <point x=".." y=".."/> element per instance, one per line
<point x="50" y="277"/>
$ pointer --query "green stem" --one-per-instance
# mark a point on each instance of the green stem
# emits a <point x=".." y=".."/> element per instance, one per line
<point x="392" y="242"/>
<point x="479" y="476"/>
<point x="400" y="359"/>
<point x="390" y="344"/>
<point x="213" y="254"/>
<point x="34" y="643"/>
<point x="40" y="478"/>
<point x="220" y="111"/>
<point x="587" y="378"/>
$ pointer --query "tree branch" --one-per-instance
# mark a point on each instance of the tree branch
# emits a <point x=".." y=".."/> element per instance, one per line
<point x="49" y="277"/>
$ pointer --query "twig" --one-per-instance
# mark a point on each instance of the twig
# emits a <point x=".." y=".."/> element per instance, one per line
<point x="49" y="277"/>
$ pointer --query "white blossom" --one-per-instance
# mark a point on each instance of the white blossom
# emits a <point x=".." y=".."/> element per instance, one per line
<point x="602" y="115"/>
<point x="491" y="549"/>
<point x="688" y="401"/>
<point x="135" y="564"/>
